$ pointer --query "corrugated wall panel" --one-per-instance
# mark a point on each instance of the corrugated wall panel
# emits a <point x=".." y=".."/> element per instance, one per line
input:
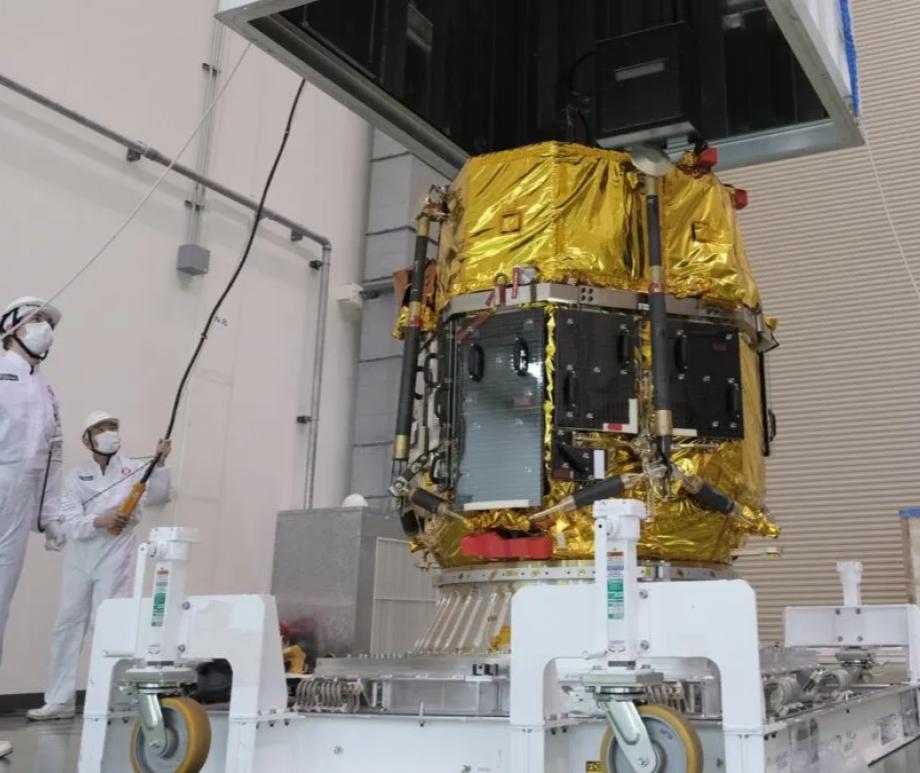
<point x="846" y="380"/>
<point x="404" y="599"/>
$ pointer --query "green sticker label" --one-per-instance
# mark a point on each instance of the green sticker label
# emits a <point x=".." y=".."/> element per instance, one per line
<point x="160" y="586"/>
<point x="615" y="604"/>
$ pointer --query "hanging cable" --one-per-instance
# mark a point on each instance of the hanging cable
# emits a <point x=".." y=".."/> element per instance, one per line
<point x="140" y="204"/>
<point x="887" y="209"/>
<point x="239" y="268"/>
<point x="137" y="491"/>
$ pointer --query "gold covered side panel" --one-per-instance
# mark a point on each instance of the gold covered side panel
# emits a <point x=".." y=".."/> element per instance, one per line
<point x="575" y="214"/>
<point x="701" y="242"/>
<point x="567" y="211"/>
<point x="679" y="529"/>
<point x="676" y="529"/>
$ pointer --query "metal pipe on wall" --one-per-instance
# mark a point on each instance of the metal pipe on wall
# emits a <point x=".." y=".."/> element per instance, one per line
<point x="137" y="150"/>
<point x="316" y="390"/>
<point x="212" y="70"/>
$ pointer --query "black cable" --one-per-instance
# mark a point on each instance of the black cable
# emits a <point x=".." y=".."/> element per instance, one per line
<point x="589" y="132"/>
<point x="207" y="327"/>
<point x="239" y="268"/>
<point x="574" y="67"/>
<point x="576" y="96"/>
<point x="236" y="274"/>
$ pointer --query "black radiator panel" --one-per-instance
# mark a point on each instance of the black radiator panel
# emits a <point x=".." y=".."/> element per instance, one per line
<point x="706" y="379"/>
<point x="595" y="370"/>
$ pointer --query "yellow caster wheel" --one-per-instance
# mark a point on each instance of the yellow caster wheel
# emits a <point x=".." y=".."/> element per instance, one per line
<point x="188" y="731"/>
<point x="676" y="743"/>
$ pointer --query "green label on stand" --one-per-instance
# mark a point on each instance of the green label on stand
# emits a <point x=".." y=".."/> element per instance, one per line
<point x="160" y="586"/>
<point x="615" y="603"/>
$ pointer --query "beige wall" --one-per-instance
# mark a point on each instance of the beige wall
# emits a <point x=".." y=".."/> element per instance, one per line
<point x="846" y="380"/>
<point x="129" y="325"/>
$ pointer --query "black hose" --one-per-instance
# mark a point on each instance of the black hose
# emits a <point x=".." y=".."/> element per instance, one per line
<point x="411" y="341"/>
<point x="764" y="402"/>
<point x="609" y="488"/>
<point x="712" y="499"/>
<point x="658" y="321"/>
<point x="426" y="500"/>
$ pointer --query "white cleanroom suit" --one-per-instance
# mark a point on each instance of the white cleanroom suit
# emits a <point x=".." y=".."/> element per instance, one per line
<point x="30" y="469"/>
<point x="97" y="566"/>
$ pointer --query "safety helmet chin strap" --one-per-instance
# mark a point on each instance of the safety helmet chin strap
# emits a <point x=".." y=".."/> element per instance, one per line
<point x="16" y="319"/>
<point x="39" y="357"/>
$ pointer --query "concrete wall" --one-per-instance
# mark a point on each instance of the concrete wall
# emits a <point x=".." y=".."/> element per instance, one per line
<point x="131" y="322"/>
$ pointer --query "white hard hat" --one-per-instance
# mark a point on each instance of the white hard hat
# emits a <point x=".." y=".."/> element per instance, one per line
<point x="97" y="417"/>
<point x="19" y="309"/>
<point x="354" y="500"/>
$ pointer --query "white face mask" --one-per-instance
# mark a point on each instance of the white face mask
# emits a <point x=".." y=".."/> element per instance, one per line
<point x="36" y="337"/>
<point x="107" y="442"/>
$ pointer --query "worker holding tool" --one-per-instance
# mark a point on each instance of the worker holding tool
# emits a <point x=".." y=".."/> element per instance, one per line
<point x="30" y="445"/>
<point x="100" y="562"/>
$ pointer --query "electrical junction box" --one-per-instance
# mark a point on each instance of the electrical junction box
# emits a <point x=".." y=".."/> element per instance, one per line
<point x="350" y="296"/>
<point x="193" y="259"/>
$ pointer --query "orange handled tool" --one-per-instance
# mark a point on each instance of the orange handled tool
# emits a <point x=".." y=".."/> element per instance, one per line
<point x="126" y="508"/>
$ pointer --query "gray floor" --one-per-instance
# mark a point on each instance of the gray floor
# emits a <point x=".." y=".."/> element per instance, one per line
<point x="54" y="747"/>
<point x="40" y="747"/>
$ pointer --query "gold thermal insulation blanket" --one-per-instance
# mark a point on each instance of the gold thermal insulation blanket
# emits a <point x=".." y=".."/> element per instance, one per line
<point x="677" y="529"/>
<point x="701" y="245"/>
<point x="576" y="214"/>
<point x="567" y="213"/>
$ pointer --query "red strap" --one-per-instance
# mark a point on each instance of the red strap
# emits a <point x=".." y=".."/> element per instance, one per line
<point x="490" y="545"/>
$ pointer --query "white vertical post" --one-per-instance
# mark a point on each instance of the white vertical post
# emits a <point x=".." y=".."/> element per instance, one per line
<point x="170" y="547"/>
<point x="851" y="579"/>
<point x="137" y="596"/>
<point x="617" y="573"/>
<point x="599" y="618"/>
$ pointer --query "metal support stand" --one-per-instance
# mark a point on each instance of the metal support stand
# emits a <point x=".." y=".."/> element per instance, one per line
<point x="616" y="575"/>
<point x="631" y="733"/>
<point x="151" y="716"/>
<point x="855" y="625"/>
<point x="581" y="652"/>
<point x="148" y="647"/>
<point x="851" y="581"/>
<point x="616" y="581"/>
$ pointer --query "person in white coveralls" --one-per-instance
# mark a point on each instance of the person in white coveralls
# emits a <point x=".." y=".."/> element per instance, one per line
<point x="98" y="564"/>
<point x="31" y="445"/>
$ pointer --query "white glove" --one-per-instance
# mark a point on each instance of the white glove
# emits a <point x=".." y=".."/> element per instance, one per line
<point x="55" y="539"/>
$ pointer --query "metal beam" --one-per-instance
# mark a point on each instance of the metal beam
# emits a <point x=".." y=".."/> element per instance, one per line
<point x="138" y="149"/>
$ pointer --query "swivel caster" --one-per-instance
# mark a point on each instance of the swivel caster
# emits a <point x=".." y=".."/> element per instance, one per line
<point x="187" y="740"/>
<point x="676" y="745"/>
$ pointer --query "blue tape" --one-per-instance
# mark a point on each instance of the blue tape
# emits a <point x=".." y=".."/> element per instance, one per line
<point x="910" y="512"/>
<point x="849" y="43"/>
